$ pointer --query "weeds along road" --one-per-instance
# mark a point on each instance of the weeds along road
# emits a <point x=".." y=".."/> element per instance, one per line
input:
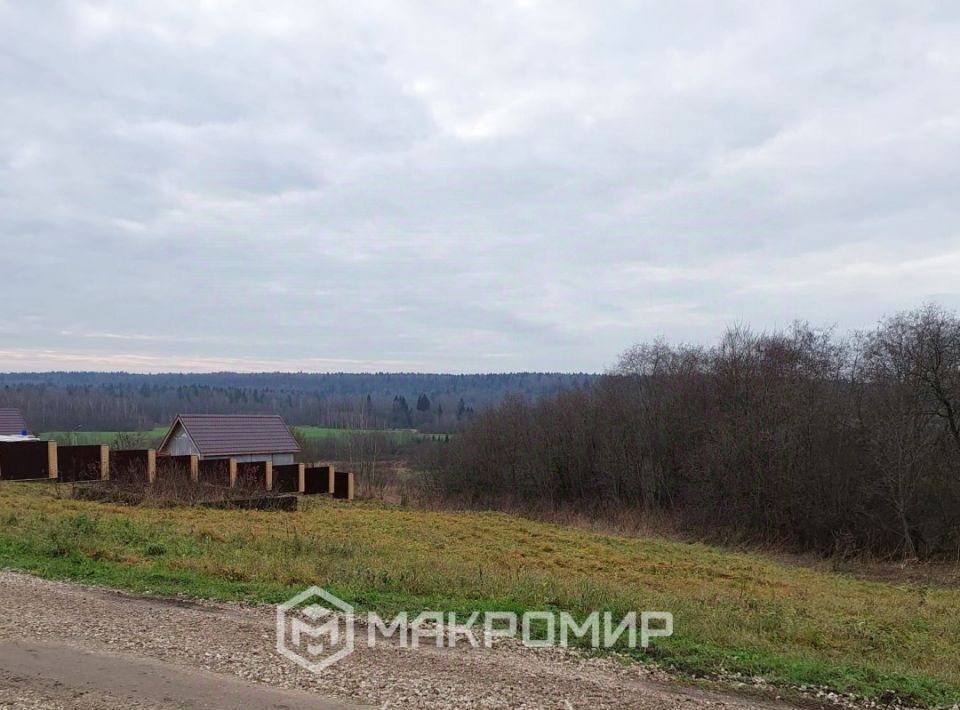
<point x="70" y="646"/>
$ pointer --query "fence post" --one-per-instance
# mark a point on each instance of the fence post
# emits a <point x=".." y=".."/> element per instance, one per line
<point x="52" y="459"/>
<point x="151" y="466"/>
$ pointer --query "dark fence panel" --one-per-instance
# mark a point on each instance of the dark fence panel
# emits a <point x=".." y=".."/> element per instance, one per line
<point x="88" y="462"/>
<point x="25" y="460"/>
<point x="287" y="477"/>
<point x="254" y="474"/>
<point x="133" y="465"/>
<point x="177" y="468"/>
<point x="316" y="480"/>
<point x="216" y="472"/>
<point x="343" y="485"/>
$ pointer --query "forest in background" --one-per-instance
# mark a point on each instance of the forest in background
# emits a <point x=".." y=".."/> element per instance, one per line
<point x="99" y="401"/>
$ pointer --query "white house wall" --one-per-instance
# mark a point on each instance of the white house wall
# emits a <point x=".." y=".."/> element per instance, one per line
<point x="180" y="444"/>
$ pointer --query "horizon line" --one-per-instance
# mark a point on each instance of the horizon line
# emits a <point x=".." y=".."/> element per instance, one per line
<point x="187" y="373"/>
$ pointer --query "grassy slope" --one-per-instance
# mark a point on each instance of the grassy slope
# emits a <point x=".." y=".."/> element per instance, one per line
<point x="735" y="611"/>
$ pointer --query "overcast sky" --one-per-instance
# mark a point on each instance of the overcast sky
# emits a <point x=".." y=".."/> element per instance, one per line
<point x="477" y="186"/>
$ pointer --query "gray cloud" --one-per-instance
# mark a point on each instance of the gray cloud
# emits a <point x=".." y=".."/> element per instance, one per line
<point x="464" y="186"/>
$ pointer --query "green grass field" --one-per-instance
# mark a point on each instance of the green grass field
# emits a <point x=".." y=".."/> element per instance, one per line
<point x="153" y="436"/>
<point x="396" y="436"/>
<point x="739" y="612"/>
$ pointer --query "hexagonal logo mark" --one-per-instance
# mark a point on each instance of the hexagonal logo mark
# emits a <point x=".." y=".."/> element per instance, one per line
<point x="315" y="629"/>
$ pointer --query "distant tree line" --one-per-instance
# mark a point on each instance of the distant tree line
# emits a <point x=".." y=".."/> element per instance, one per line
<point x="57" y="401"/>
<point x="802" y="438"/>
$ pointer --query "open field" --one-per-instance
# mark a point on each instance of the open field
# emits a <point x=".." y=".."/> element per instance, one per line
<point x="153" y="436"/>
<point x="733" y="611"/>
<point x="396" y="436"/>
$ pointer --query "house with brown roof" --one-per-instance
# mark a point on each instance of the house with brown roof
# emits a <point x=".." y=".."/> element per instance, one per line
<point x="11" y="422"/>
<point x="244" y="437"/>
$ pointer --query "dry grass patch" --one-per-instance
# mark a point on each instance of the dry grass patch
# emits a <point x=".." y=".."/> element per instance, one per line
<point x="735" y="611"/>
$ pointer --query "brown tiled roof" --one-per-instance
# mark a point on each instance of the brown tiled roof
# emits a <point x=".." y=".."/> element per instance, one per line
<point x="236" y="434"/>
<point x="11" y="422"/>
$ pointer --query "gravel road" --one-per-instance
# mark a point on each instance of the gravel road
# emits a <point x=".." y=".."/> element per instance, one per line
<point x="66" y="645"/>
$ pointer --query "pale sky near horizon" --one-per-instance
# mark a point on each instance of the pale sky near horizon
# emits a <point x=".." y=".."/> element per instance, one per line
<point x="460" y="187"/>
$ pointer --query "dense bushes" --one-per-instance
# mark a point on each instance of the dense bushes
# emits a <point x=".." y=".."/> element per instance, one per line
<point x="799" y="438"/>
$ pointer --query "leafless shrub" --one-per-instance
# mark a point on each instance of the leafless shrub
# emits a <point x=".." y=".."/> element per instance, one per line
<point x="166" y="491"/>
<point x="796" y="438"/>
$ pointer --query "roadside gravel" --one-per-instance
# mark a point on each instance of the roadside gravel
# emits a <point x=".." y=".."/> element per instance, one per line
<point x="237" y="642"/>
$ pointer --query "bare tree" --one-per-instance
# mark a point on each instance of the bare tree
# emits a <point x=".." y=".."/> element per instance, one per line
<point x="797" y="437"/>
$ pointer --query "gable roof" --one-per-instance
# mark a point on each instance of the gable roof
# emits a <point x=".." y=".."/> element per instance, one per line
<point x="11" y="422"/>
<point x="235" y="434"/>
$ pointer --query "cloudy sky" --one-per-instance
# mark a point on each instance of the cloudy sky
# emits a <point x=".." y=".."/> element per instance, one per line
<point x="477" y="186"/>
